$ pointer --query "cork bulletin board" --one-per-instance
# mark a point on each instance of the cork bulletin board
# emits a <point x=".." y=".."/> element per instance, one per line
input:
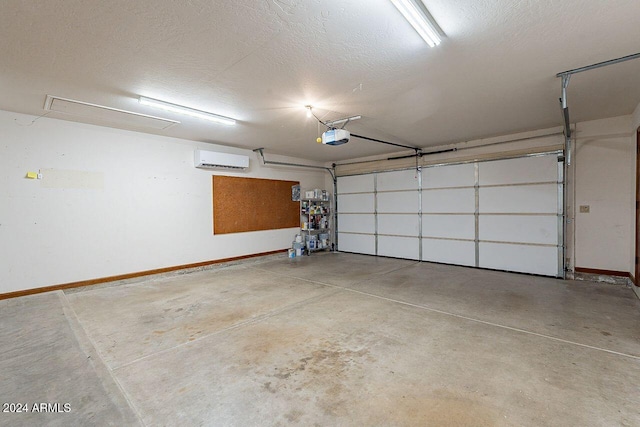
<point x="253" y="204"/>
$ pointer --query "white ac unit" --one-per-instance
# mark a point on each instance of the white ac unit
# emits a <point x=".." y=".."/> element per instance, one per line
<point x="211" y="159"/>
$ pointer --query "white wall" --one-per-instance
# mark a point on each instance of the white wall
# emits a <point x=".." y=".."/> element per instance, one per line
<point x="139" y="204"/>
<point x="112" y="202"/>
<point x="604" y="161"/>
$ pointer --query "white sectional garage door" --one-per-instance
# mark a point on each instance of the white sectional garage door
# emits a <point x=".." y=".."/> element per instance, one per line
<point x="503" y="214"/>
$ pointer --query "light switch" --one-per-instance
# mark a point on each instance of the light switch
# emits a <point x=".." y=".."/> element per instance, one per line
<point x="584" y="208"/>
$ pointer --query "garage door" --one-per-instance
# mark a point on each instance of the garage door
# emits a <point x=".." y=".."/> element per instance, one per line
<point x="503" y="214"/>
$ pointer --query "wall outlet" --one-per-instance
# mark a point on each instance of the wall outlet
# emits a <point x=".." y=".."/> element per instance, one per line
<point x="585" y="208"/>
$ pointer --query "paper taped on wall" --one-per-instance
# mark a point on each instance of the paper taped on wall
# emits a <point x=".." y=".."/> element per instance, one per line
<point x="82" y="180"/>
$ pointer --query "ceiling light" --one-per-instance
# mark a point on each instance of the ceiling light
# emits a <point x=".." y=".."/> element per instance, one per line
<point x="186" y="111"/>
<point x="103" y="115"/>
<point x="309" y="113"/>
<point x="418" y="16"/>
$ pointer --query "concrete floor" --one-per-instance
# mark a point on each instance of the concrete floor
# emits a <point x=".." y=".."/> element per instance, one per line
<point x="331" y="339"/>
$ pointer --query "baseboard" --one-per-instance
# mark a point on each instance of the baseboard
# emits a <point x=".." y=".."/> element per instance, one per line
<point x="126" y="276"/>
<point x="634" y="285"/>
<point x="602" y="272"/>
<point x="604" y="276"/>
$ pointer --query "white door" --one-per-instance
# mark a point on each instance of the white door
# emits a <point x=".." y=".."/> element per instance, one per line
<point x="503" y="214"/>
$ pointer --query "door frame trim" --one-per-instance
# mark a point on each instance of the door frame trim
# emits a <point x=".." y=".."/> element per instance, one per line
<point x="636" y="269"/>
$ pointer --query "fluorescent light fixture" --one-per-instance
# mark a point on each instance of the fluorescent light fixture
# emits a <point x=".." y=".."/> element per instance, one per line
<point x="107" y="116"/>
<point x="416" y="13"/>
<point x="186" y="111"/>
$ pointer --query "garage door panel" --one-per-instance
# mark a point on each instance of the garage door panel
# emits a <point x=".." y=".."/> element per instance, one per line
<point x="519" y="199"/>
<point x="357" y="243"/>
<point x="449" y="251"/>
<point x="355" y="184"/>
<point x="403" y="201"/>
<point x="458" y="200"/>
<point x="519" y="228"/>
<point x="350" y="203"/>
<point x="516" y="171"/>
<point x="521" y="258"/>
<point x="449" y="226"/>
<point x="449" y="176"/>
<point x="357" y="223"/>
<point x="397" y="180"/>
<point x="404" y="225"/>
<point x="399" y="247"/>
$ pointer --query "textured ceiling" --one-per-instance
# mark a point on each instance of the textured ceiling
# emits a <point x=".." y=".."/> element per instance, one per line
<point x="262" y="61"/>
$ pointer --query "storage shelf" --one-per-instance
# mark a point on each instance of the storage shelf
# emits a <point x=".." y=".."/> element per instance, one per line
<point x="315" y="211"/>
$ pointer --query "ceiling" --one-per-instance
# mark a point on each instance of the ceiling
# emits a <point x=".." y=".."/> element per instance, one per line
<point x="262" y="61"/>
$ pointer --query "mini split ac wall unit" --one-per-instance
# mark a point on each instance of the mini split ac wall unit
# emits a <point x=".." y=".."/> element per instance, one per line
<point x="212" y="160"/>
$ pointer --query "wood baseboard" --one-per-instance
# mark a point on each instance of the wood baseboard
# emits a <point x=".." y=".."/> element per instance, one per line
<point x="602" y="272"/>
<point x="633" y="279"/>
<point x="130" y="275"/>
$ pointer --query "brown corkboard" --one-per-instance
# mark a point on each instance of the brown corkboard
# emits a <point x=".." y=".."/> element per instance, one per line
<point x="253" y="204"/>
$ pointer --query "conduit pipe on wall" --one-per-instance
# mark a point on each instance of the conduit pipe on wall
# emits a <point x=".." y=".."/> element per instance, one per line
<point x="298" y="165"/>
